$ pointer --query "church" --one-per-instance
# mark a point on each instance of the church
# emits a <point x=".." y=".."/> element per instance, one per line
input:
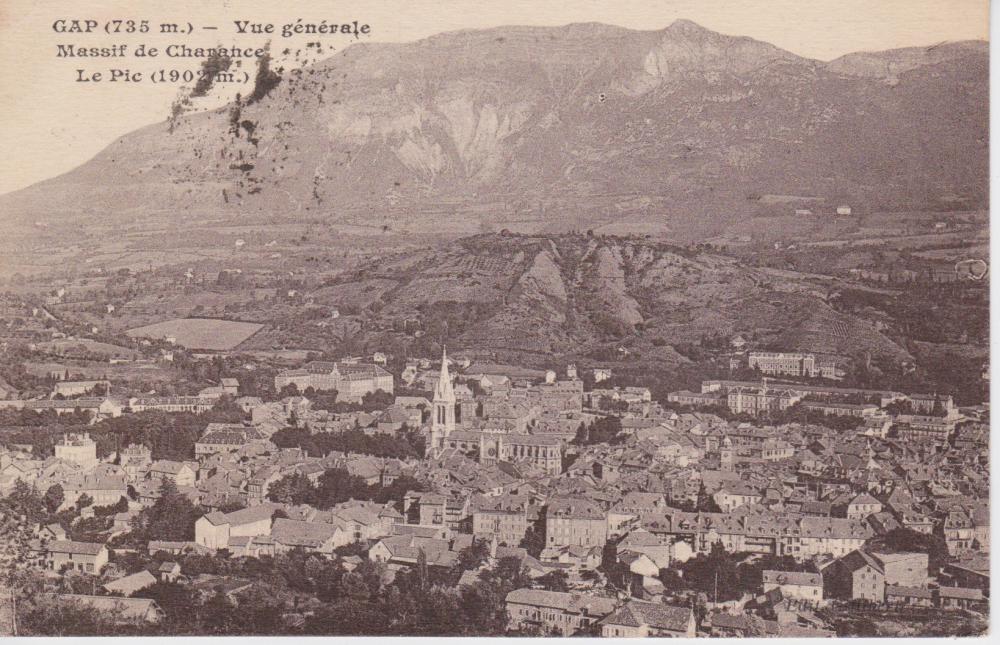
<point x="491" y="445"/>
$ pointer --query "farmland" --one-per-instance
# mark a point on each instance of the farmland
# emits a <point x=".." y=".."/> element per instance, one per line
<point x="199" y="333"/>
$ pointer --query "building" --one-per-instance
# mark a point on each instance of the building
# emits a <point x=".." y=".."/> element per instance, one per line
<point x="182" y="473"/>
<point x="442" y="408"/>
<point x="351" y="380"/>
<point x="135" y="460"/>
<point x="85" y="557"/>
<point x="732" y="495"/>
<point x="856" y="576"/>
<point x="642" y="619"/>
<point x="555" y="612"/>
<point x="224" y="437"/>
<point x="862" y="506"/>
<point x="79" y="388"/>
<point x="832" y="536"/>
<point x="932" y="404"/>
<point x="77" y="448"/>
<point x="121" y="611"/>
<point x="908" y="596"/>
<point x="196" y="404"/>
<point x="757" y="401"/>
<point x="319" y="537"/>
<point x="505" y="518"/>
<point x="215" y="530"/>
<point x="960" y="598"/>
<point x="795" y="585"/>
<point x="696" y="399"/>
<point x="540" y="451"/>
<point x="959" y="531"/>
<point x="783" y="364"/>
<point x="575" y="522"/>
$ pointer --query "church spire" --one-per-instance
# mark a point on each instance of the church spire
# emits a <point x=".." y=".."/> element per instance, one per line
<point x="443" y="419"/>
<point x="444" y="390"/>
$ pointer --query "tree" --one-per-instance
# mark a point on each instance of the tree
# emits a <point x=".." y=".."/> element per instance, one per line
<point x="554" y="581"/>
<point x="53" y="498"/>
<point x="534" y="540"/>
<point x="83" y="501"/>
<point x="291" y="489"/>
<point x="171" y="517"/>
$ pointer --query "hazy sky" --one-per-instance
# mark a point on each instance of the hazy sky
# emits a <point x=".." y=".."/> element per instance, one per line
<point x="50" y="123"/>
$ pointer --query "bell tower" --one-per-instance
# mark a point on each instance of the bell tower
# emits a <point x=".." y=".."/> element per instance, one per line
<point x="443" y="419"/>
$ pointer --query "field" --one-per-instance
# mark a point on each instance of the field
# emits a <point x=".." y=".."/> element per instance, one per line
<point x="199" y="333"/>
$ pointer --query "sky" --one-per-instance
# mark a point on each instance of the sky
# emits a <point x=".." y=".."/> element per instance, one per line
<point x="51" y="123"/>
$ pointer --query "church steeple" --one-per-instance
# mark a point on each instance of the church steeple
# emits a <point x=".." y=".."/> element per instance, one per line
<point x="444" y="391"/>
<point x="443" y="419"/>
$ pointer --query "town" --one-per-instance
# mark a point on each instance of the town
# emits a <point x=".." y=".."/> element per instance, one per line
<point x="482" y="498"/>
<point x="594" y="322"/>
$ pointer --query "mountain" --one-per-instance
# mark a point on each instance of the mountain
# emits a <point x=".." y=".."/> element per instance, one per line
<point x="681" y="131"/>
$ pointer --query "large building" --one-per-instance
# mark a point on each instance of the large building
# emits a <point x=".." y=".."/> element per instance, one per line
<point x="575" y="522"/>
<point x="351" y="380"/>
<point x="506" y="518"/>
<point x="783" y="364"/>
<point x="557" y="612"/>
<point x="756" y="401"/>
<point x="542" y="452"/>
<point x="78" y="449"/>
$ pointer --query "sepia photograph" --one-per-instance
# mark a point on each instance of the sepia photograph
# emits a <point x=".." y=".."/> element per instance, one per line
<point x="456" y="318"/>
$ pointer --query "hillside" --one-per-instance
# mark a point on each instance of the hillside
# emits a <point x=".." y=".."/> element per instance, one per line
<point x="675" y="132"/>
<point x="527" y="299"/>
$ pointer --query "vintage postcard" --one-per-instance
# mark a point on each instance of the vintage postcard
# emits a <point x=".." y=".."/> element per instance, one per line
<point x="462" y="318"/>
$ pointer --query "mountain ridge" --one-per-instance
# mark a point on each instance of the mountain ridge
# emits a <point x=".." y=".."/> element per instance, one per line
<point x="676" y="127"/>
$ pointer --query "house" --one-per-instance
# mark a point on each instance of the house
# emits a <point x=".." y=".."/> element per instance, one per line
<point x="555" y="612"/>
<point x="795" y="585"/>
<point x="230" y="386"/>
<point x="832" y="536"/>
<point x="405" y="550"/>
<point x="182" y="473"/>
<point x="898" y="595"/>
<point x="862" y="506"/>
<point x="318" y="537"/>
<point x="972" y="572"/>
<point x="575" y="521"/>
<point x="169" y="571"/>
<point x="856" y="576"/>
<point x="734" y="494"/>
<point x="129" y="585"/>
<point x="960" y="598"/>
<point x="223" y="437"/>
<point x="639" y="618"/>
<point x="904" y="569"/>
<point x="87" y="557"/>
<point x="121" y="611"/>
<point x="79" y="388"/>
<point x="215" y="529"/>
<point x="641" y="541"/>
<point x="77" y="448"/>
<point x="504" y="517"/>
<point x="639" y="564"/>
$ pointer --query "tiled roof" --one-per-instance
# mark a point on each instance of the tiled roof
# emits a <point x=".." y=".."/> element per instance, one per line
<point x="793" y="578"/>
<point x="639" y="612"/>
<point x="564" y="601"/>
<point x="69" y="546"/>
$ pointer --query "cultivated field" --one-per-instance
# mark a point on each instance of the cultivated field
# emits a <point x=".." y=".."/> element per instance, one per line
<point x="199" y="333"/>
